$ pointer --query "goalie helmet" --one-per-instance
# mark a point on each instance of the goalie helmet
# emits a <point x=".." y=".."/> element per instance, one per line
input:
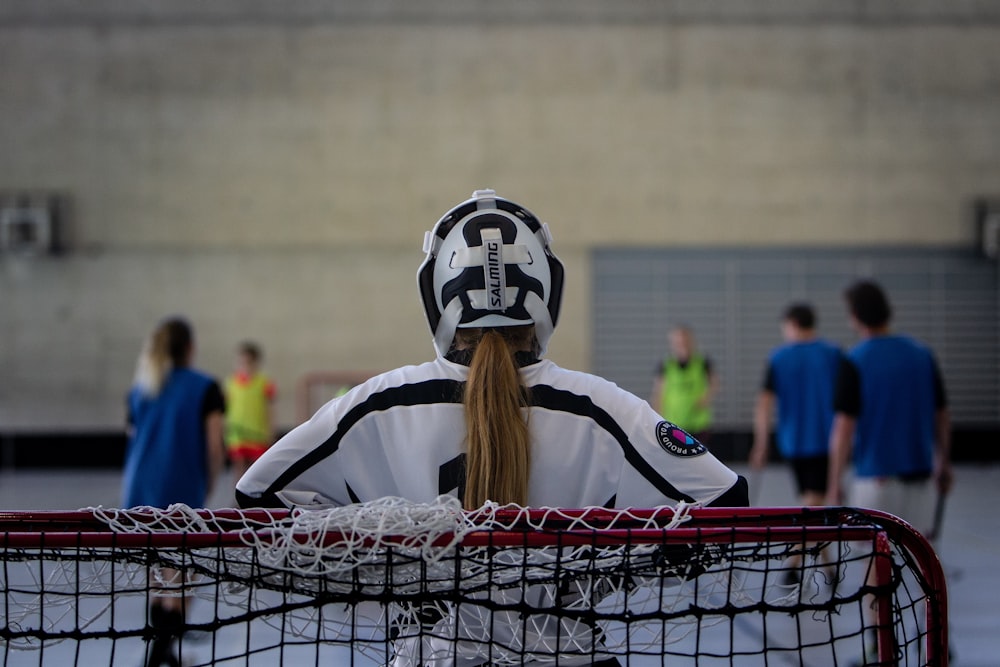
<point x="489" y="264"/>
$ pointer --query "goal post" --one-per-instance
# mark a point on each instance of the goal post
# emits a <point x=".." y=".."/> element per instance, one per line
<point x="398" y="583"/>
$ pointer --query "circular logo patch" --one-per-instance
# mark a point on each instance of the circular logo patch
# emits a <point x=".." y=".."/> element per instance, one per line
<point x="678" y="442"/>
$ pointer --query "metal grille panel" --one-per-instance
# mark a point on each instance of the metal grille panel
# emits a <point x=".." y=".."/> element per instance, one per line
<point x="733" y="298"/>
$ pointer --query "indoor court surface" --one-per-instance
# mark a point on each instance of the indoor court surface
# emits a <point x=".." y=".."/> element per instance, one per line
<point x="969" y="552"/>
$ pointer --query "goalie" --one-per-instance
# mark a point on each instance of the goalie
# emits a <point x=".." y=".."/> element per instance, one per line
<point x="489" y="419"/>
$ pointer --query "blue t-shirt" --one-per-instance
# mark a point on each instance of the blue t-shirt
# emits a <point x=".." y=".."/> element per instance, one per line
<point x="166" y="460"/>
<point x="803" y="378"/>
<point x="894" y="389"/>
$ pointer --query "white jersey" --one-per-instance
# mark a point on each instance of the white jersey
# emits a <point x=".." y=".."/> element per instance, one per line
<point x="402" y="434"/>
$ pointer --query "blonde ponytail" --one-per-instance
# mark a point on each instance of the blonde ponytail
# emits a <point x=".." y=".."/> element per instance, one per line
<point x="498" y="457"/>
<point x="165" y="349"/>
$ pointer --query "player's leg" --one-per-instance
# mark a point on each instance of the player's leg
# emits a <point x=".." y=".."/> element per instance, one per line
<point x="243" y="456"/>
<point x="885" y="494"/>
<point x="919" y="500"/>
<point x="240" y="466"/>
<point x="911" y="499"/>
<point x="810" y="480"/>
<point x="166" y="617"/>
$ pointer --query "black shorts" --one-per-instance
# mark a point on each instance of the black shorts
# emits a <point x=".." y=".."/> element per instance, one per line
<point x="810" y="473"/>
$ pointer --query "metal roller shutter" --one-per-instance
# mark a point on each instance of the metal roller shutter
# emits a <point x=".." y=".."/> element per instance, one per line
<point x="733" y="299"/>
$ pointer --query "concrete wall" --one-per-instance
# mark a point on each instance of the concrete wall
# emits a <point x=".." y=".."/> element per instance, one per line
<point x="269" y="171"/>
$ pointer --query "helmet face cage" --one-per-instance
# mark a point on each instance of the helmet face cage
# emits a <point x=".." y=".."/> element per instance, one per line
<point x="489" y="264"/>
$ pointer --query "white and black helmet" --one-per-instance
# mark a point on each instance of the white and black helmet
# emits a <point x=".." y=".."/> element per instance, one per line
<point x="489" y="264"/>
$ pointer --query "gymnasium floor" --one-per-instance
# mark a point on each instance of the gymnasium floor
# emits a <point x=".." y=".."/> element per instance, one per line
<point x="969" y="551"/>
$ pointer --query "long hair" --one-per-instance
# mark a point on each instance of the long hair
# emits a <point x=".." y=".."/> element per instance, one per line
<point x="496" y="419"/>
<point x="167" y="348"/>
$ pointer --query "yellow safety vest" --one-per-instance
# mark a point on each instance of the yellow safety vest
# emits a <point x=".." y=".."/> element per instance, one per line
<point x="246" y="411"/>
<point x="683" y="387"/>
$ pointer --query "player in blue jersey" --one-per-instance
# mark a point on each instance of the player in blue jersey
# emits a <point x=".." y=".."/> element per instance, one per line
<point x="892" y="416"/>
<point x="800" y="380"/>
<point x="175" y="419"/>
<point x="175" y="449"/>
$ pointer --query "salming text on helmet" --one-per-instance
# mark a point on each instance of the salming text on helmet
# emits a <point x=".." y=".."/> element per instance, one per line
<point x="489" y="264"/>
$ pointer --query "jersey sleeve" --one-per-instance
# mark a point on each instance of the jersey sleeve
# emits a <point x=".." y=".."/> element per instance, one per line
<point x="665" y="465"/>
<point x="769" y="384"/>
<point x="847" y="397"/>
<point x="213" y="401"/>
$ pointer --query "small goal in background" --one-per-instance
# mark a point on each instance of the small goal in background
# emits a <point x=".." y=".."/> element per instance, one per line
<point x="318" y="387"/>
<point x="403" y="584"/>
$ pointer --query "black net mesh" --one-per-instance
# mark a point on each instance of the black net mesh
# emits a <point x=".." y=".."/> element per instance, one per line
<point x="509" y="587"/>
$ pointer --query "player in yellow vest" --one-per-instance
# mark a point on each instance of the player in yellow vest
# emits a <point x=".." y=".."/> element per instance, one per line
<point x="249" y="417"/>
<point x="685" y="385"/>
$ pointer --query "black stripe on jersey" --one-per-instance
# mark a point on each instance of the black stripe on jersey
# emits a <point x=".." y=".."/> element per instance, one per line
<point x="420" y="393"/>
<point x="545" y="396"/>
<point x="350" y="494"/>
<point x="451" y="476"/>
<point x="738" y="495"/>
<point x="450" y="391"/>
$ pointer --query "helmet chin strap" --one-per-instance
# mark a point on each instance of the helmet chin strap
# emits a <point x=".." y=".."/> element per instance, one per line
<point x="543" y="323"/>
<point x="446" y="327"/>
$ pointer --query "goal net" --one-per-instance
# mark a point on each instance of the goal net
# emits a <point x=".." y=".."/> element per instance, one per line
<point x="396" y="583"/>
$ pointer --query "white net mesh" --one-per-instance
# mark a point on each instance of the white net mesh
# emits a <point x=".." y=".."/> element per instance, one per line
<point x="394" y="582"/>
<point x="411" y="549"/>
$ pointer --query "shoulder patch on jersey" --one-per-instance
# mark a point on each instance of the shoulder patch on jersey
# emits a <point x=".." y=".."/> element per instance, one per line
<point x="678" y="442"/>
